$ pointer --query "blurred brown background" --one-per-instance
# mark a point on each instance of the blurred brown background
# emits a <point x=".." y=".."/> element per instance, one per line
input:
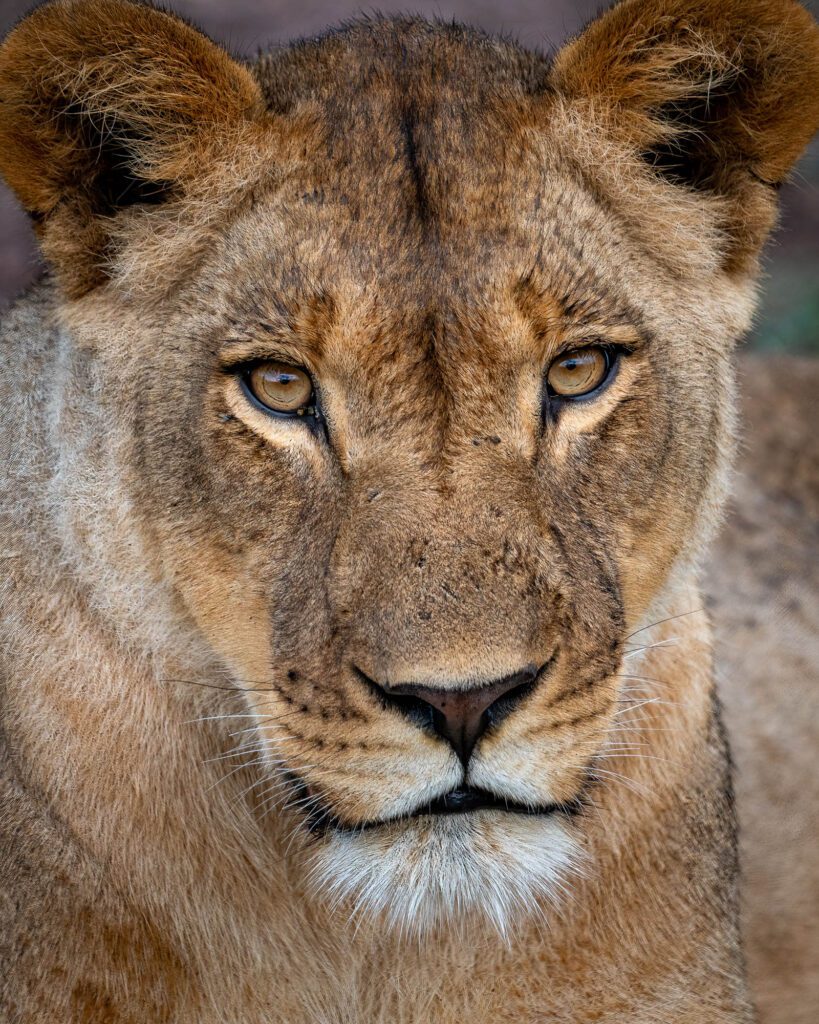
<point x="789" y="318"/>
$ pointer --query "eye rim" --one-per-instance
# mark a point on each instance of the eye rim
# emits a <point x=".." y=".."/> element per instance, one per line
<point x="612" y="355"/>
<point x="244" y="372"/>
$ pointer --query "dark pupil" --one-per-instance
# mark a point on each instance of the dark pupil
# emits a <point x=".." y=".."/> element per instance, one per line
<point x="285" y="378"/>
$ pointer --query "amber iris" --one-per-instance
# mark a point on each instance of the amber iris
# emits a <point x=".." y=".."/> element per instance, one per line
<point x="280" y="387"/>
<point x="578" y="372"/>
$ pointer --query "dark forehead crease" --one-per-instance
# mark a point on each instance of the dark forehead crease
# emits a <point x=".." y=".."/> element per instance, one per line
<point x="410" y="120"/>
<point x="402" y="90"/>
<point x="409" y="127"/>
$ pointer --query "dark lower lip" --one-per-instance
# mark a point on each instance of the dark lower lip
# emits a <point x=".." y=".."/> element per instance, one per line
<point x="461" y="801"/>
<point x="458" y="801"/>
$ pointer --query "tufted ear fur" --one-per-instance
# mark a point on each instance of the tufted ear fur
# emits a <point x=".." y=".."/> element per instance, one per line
<point x="715" y="96"/>
<point x="106" y="105"/>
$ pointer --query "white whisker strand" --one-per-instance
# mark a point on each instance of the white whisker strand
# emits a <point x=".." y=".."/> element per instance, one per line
<point x="660" y="622"/>
<point x="634" y="651"/>
<point x="623" y="780"/>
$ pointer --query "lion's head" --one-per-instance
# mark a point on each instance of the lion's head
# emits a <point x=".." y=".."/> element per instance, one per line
<point x="399" y="380"/>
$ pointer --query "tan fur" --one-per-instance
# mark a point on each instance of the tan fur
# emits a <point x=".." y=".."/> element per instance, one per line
<point x="764" y="585"/>
<point x="422" y="217"/>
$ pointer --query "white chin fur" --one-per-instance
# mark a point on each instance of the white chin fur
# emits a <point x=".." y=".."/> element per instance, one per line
<point x="435" y="871"/>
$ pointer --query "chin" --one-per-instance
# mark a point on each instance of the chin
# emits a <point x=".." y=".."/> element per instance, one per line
<point x="433" y="872"/>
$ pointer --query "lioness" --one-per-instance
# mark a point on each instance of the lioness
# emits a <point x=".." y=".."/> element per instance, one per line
<point x="360" y="452"/>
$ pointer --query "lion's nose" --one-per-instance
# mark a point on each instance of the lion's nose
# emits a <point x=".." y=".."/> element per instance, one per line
<point x="461" y="716"/>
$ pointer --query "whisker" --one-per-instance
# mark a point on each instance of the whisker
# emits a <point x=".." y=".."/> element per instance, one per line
<point x="638" y="704"/>
<point x="671" y="642"/>
<point x="238" y="768"/>
<point x="626" y="746"/>
<point x="645" y="757"/>
<point x="630" y="784"/>
<point x="216" y="686"/>
<point x="669" y="618"/>
<point x="629" y="727"/>
<point x="256" y="728"/>
<point x="217" y="718"/>
<point x="641" y="679"/>
<point x="235" y="752"/>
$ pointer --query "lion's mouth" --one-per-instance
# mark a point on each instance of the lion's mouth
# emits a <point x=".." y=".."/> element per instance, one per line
<point x="463" y="800"/>
<point x="458" y="801"/>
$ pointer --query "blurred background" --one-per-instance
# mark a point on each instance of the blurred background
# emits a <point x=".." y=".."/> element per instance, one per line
<point x="789" y="317"/>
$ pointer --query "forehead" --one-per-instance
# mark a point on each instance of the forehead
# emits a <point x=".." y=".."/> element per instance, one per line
<point x="414" y="133"/>
<point x="418" y="193"/>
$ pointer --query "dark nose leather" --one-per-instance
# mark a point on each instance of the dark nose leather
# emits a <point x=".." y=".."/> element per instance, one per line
<point x="461" y="716"/>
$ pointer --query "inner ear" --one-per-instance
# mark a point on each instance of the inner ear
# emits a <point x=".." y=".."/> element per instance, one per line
<point x="113" y="182"/>
<point x="692" y="151"/>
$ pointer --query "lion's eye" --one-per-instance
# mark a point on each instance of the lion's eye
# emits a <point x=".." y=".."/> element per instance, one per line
<point x="281" y="388"/>
<point x="579" y="372"/>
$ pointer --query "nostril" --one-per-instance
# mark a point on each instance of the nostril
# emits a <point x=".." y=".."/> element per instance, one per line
<point x="418" y="711"/>
<point x="507" y="702"/>
<point x="459" y="715"/>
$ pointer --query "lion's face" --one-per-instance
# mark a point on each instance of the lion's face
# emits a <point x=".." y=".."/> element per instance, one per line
<point x="512" y="422"/>
<point x="443" y="526"/>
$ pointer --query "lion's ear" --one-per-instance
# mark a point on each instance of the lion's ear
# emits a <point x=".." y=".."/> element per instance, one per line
<point x="105" y="104"/>
<point x="719" y="96"/>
